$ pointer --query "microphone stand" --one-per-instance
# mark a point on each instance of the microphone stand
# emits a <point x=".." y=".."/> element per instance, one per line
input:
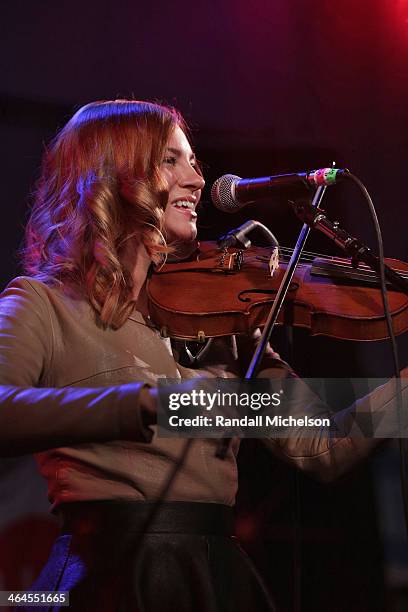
<point x="253" y="367"/>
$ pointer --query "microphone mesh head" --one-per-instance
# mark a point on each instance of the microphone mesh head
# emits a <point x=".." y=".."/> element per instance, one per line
<point x="223" y="193"/>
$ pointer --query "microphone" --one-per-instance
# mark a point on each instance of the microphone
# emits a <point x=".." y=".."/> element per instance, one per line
<point x="230" y="193"/>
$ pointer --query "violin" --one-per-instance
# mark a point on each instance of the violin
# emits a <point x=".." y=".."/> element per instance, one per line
<point x="219" y="293"/>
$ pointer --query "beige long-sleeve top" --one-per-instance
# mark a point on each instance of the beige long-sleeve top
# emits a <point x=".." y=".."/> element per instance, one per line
<point x="70" y="389"/>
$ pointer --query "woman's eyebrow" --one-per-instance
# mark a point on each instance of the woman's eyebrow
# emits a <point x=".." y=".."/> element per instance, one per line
<point x="179" y="152"/>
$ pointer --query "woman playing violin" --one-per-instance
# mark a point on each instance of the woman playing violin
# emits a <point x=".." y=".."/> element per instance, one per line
<point x="79" y="365"/>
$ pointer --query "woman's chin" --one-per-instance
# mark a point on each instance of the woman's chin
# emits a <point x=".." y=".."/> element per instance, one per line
<point x="185" y="234"/>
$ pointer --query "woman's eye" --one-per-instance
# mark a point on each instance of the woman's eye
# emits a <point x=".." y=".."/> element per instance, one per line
<point x="170" y="160"/>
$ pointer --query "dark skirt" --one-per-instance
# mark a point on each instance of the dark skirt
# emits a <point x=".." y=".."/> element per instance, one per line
<point x="115" y="556"/>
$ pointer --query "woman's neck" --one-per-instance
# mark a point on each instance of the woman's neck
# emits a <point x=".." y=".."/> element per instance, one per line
<point x="138" y="262"/>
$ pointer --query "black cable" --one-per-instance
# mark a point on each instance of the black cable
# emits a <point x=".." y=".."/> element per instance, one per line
<point x="401" y="441"/>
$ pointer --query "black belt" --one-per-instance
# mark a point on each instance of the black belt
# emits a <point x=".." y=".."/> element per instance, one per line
<point x="147" y="517"/>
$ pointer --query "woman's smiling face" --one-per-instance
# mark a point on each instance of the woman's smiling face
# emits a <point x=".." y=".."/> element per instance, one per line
<point x="184" y="183"/>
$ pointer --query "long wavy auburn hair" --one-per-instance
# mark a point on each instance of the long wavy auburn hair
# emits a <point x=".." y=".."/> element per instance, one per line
<point x="100" y="186"/>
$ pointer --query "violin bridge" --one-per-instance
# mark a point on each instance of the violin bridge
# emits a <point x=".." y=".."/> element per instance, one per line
<point x="274" y="261"/>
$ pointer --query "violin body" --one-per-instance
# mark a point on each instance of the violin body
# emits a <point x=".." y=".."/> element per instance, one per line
<point x="215" y="294"/>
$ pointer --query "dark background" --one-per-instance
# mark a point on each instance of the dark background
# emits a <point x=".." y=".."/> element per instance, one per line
<point x="268" y="87"/>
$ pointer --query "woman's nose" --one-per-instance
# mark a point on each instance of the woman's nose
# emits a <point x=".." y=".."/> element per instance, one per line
<point x="191" y="178"/>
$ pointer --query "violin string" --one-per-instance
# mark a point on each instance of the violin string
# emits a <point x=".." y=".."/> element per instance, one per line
<point x="341" y="262"/>
<point x="344" y="263"/>
<point x="289" y="251"/>
<point x="306" y="257"/>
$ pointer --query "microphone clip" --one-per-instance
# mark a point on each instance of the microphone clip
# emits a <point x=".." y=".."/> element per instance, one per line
<point x="238" y="237"/>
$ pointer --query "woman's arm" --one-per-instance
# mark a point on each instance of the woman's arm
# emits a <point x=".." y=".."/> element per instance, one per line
<point x="361" y="427"/>
<point x="34" y="419"/>
<point x="321" y="452"/>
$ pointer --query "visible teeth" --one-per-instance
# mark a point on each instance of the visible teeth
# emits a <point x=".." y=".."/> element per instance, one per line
<point x="184" y="204"/>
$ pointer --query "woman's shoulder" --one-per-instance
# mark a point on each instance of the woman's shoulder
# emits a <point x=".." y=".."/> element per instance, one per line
<point x="26" y="292"/>
<point x="31" y="289"/>
<point x="30" y="284"/>
<point x="44" y="289"/>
